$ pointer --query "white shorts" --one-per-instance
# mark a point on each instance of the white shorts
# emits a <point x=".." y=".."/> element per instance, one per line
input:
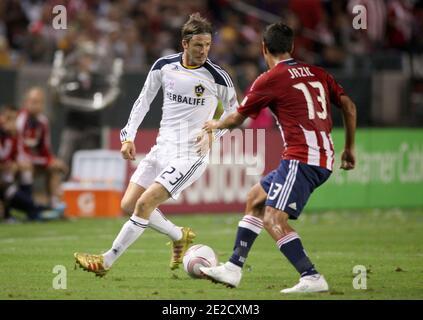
<point x="175" y="174"/>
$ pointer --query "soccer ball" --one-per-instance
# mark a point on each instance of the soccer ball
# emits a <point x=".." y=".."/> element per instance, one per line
<point x="198" y="256"/>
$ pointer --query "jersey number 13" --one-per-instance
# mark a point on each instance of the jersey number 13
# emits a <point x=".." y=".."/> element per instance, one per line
<point x="310" y="105"/>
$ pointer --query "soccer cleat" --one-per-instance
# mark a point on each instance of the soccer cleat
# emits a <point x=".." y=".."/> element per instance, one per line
<point x="314" y="283"/>
<point x="222" y="274"/>
<point x="91" y="263"/>
<point x="179" y="247"/>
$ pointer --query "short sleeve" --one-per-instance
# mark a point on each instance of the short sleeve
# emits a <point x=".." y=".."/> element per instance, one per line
<point x="335" y="90"/>
<point x="257" y="98"/>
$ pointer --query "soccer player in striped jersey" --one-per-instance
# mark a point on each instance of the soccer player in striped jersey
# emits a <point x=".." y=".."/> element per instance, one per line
<point x="192" y="86"/>
<point x="299" y="96"/>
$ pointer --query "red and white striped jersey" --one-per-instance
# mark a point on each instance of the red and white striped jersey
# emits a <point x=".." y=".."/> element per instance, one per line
<point x="33" y="138"/>
<point x="299" y="96"/>
<point x="8" y="147"/>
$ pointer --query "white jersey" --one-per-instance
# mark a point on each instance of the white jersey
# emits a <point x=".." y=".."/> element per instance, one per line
<point x="190" y="98"/>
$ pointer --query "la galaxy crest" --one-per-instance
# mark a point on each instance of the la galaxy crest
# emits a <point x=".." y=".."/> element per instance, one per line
<point x="199" y="90"/>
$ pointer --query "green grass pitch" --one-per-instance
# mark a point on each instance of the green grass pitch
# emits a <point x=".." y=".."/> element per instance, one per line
<point x="389" y="243"/>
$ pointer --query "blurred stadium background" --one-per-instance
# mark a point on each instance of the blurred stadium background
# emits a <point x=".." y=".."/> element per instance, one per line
<point x="94" y="70"/>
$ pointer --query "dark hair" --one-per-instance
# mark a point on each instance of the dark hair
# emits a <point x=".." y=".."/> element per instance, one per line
<point x="278" y="38"/>
<point x="196" y="24"/>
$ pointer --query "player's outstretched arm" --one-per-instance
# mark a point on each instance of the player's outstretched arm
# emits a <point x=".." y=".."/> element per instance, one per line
<point x="349" y="115"/>
<point x="234" y="120"/>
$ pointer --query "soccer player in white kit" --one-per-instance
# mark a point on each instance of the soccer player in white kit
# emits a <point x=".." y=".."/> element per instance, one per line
<point x="192" y="86"/>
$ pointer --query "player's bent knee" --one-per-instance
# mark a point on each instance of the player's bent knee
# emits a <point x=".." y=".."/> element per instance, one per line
<point x="255" y="202"/>
<point x="274" y="216"/>
<point x="252" y="200"/>
<point x="268" y="219"/>
<point x="127" y="206"/>
<point x="143" y="208"/>
<point x="255" y="209"/>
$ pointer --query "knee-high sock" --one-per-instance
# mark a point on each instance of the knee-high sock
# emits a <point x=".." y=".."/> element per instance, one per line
<point x="248" y="230"/>
<point x="290" y="245"/>
<point x="159" y="223"/>
<point x="130" y="232"/>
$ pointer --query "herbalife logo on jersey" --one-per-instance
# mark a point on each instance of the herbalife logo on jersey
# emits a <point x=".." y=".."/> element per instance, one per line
<point x="199" y="90"/>
<point x="186" y="100"/>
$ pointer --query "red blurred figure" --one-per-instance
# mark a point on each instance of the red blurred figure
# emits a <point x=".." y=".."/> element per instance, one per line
<point x="34" y="146"/>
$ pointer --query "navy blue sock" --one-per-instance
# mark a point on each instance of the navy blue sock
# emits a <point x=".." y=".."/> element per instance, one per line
<point x="22" y="201"/>
<point x="27" y="188"/>
<point x="248" y="230"/>
<point x="291" y="246"/>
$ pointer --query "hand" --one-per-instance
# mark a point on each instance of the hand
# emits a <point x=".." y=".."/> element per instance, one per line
<point x="211" y="125"/>
<point x="348" y="159"/>
<point x="9" y="167"/>
<point x="59" y="165"/>
<point x="204" y="142"/>
<point x="128" y="150"/>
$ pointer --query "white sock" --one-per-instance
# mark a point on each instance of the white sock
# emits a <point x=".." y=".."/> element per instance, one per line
<point x="159" y="223"/>
<point x="27" y="177"/>
<point x="130" y="232"/>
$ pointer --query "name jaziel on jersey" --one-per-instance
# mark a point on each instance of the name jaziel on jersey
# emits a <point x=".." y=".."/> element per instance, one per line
<point x="186" y="100"/>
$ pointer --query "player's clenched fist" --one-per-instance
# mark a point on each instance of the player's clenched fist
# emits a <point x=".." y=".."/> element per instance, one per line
<point x="204" y="142"/>
<point x="348" y="159"/>
<point x="128" y="150"/>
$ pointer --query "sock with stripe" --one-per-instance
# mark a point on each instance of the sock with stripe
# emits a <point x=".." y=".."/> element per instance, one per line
<point x="130" y="232"/>
<point x="248" y="230"/>
<point x="159" y="223"/>
<point x="290" y="245"/>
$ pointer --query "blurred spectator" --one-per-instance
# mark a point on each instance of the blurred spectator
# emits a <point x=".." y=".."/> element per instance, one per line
<point x="368" y="40"/>
<point x="418" y="27"/>
<point x="85" y="83"/>
<point x="35" y="153"/>
<point x="400" y="23"/>
<point x="140" y="31"/>
<point x="11" y="195"/>
<point x="16" y="23"/>
<point x="5" y="56"/>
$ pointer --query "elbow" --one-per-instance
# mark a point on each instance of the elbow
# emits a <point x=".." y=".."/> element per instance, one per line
<point x="349" y="108"/>
<point x="352" y="110"/>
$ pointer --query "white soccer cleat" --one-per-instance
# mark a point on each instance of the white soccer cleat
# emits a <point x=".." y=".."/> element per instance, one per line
<point x="222" y="274"/>
<point x="307" y="284"/>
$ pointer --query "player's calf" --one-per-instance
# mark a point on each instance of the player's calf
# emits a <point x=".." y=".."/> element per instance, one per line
<point x="288" y="241"/>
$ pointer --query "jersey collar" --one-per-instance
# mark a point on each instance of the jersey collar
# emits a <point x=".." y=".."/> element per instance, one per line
<point x="289" y="62"/>
<point x="188" y="67"/>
